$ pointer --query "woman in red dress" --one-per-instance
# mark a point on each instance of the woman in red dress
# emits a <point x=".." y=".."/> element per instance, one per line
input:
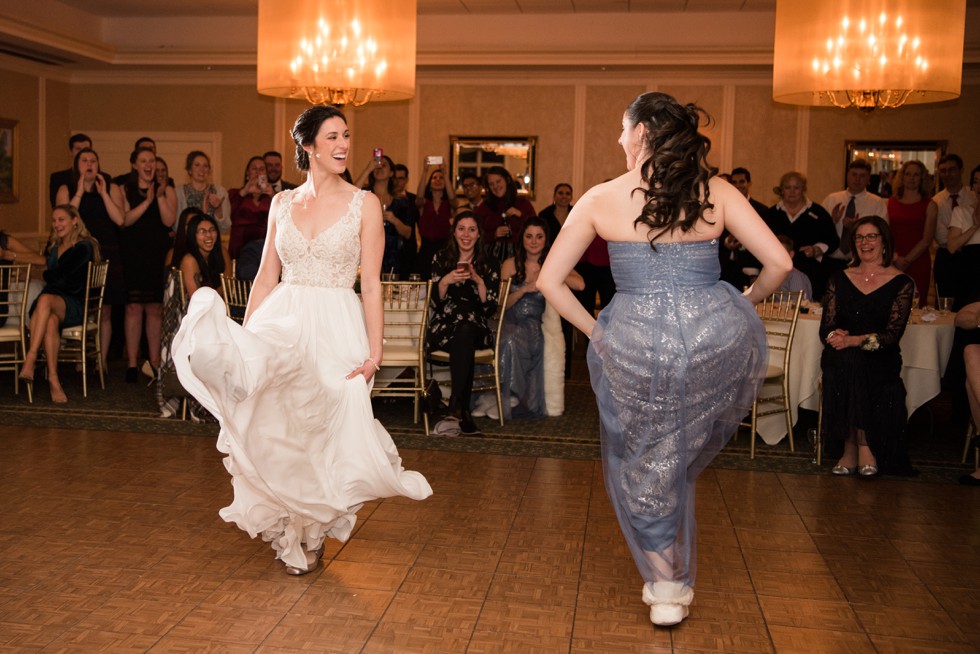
<point x="912" y="217"/>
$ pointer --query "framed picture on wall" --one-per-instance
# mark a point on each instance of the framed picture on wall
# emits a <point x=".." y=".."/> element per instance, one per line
<point x="8" y="160"/>
<point x="886" y="157"/>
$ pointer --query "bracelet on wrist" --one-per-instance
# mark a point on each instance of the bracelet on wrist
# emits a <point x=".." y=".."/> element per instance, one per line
<point x="374" y="363"/>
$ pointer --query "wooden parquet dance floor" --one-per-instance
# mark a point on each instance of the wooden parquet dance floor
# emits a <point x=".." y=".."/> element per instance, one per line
<point x="112" y="542"/>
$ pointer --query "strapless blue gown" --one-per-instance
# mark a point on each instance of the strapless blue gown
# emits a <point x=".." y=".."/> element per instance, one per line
<point x="676" y="360"/>
<point x="522" y="356"/>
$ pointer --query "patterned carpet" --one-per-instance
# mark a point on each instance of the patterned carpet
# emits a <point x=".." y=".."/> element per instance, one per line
<point x="936" y="444"/>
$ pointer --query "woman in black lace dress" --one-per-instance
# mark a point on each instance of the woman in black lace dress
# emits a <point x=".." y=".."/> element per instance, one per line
<point x="866" y="309"/>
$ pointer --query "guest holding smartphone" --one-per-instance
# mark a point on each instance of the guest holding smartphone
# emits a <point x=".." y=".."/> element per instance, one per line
<point x="249" y="207"/>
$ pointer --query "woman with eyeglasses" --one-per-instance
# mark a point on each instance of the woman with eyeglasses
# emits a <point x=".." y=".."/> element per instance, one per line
<point x="866" y="309"/>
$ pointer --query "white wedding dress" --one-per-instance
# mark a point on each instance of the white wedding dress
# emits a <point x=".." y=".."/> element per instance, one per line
<point x="304" y="449"/>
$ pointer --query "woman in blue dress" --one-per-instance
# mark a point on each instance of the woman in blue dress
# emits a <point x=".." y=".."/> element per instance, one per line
<point x="61" y="301"/>
<point x="522" y="338"/>
<point x="677" y="357"/>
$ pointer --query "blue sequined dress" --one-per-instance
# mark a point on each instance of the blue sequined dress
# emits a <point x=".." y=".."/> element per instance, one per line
<point x="676" y="359"/>
<point x="522" y="356"/>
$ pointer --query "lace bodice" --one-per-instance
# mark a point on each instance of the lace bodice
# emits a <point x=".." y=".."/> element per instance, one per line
<point x="328" y="260"/>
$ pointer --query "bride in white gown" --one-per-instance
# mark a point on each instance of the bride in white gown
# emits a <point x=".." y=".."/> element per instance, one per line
<point x="292" y="388"/>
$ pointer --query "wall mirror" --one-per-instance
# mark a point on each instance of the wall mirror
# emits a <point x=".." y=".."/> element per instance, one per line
<point x="886" y="157"/>
<point x="475" y="154"/>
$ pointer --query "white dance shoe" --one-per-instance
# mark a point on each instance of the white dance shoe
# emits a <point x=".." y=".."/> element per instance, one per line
<point x="483" y="403"/>
<point x="668" y="601"/>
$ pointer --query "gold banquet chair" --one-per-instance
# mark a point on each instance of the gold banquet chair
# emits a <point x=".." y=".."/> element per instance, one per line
<point x="489" y="357"/>
<point x="779" y="312"/>
<point x="406" y="321"/>
<point x="83" y="342"/>
<point x="14" y="283"/>
<point x="236" y="296"/>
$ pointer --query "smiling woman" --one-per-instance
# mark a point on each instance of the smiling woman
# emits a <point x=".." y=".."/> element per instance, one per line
<point x="292" y="386"/>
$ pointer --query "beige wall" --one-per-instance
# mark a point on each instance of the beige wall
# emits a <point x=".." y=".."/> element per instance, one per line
<point x="577" y="123"/>
<point x="21" y="103"/>
<point x="244" y="117"/>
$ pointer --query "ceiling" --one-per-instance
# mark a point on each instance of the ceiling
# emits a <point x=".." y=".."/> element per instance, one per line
<point x="129" y="8"/>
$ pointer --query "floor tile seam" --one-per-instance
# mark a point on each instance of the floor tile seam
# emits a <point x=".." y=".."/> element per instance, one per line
<point x="581" y="561"/>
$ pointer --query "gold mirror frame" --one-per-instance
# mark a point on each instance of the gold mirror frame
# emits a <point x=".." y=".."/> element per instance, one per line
<point x="475" y="154"/>
<point x="9" y="160"/>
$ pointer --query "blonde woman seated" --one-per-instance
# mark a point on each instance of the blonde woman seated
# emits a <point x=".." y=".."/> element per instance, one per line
<point x="60" y="304"/>
<point x="522" y="351"/>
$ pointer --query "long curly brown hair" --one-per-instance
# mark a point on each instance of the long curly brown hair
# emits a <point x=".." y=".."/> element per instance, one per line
<point x="676" y="173"/>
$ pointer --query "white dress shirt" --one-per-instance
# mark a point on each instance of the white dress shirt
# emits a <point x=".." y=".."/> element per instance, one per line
<point x="865" y="204"/>
<point x="964" y="198"/>
<point x="963" y="218"/>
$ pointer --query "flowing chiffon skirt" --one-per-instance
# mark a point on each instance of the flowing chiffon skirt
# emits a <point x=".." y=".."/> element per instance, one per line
<point x="303" y="446"/>
<point x="676" y="360"/>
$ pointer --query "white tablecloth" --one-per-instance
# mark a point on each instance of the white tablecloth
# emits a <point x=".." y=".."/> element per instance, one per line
<point x="925" y="352"/>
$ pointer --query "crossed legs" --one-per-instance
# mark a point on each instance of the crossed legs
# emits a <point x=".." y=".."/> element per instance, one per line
<point x="45" y="325"/>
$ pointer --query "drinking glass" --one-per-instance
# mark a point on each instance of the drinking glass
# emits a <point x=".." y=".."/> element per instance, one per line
<point x="945" y="305"/>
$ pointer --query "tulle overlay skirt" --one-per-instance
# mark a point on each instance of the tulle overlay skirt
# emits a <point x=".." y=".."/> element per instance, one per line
<point x="674" y="371"/>
<point x="303" y="447"/>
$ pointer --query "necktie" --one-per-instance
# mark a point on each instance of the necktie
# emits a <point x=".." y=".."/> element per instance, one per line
<point x="845" y="237"/>
<point x="953" y="202"/>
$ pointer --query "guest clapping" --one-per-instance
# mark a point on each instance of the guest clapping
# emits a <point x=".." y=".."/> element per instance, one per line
<point x="61" y="302"/>
<point x="866" y="309"/>
<point x="808" y="224"/>
<point x="150" y="212"/>
<point x="100" y="204"/>
<point x="201" y="193"/>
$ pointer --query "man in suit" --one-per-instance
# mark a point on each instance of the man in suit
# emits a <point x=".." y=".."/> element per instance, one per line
<point x="738" y="267"/>
<point x="76" y="143"/>
<point x="847" y="206"/>
<point x="273" y="170"/>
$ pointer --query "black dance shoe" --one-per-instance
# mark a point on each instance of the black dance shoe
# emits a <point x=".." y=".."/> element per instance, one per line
<point x="467" y="427"/>
<point x="132" y="374"/>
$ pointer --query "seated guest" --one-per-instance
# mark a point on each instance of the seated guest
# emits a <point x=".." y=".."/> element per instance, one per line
<point x="61" y="302"/>
<point x="201" y="193"/>
<point x="203" y="261"/>
<point x="249" y="207"/>
<point x="964" y="242"/>
<point x="463" y="302"/>
<point x="435" y="207"/>
<point x="521" y="338"/>
<point x="502" y="213"/>
<point x="808" y="224"/>
<point x="968" y="319"/>
<point x="795" y="280"/>
<point x="850" y="204"/>
<point x="865" y="312"/>
<point x="738" y="266"/>
<point x="912" y="215"/>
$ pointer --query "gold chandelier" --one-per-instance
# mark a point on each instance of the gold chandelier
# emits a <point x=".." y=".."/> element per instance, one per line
<point x="868" y="54"/>
<point x="337" y="51"/>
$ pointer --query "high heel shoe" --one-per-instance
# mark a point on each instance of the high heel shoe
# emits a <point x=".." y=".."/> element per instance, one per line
<point x="843" y="470"/>
<point x="317" y="555"/>
<point x="869" y="470"/>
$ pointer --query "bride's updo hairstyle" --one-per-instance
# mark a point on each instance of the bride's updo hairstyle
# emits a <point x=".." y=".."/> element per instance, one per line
<point x="306" y="128"/>
<point x="676" y="173"/>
